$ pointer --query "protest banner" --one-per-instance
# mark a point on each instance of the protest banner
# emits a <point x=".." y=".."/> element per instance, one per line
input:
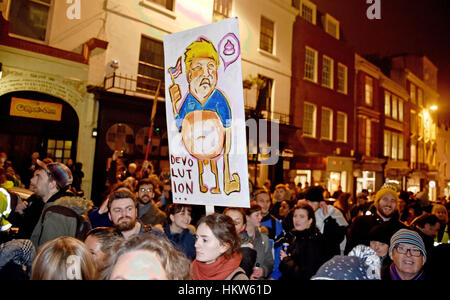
<point x="205" y="116"/>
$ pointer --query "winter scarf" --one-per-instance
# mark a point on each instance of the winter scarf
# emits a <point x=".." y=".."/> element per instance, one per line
<point x="395" y="276"/>
<point x="218" y="270"/>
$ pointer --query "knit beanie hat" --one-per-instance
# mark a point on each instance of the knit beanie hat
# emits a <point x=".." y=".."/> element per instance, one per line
<point x="362" y="263"/>
<point x="406" y="236"/>
<point x="387" y="188"/>
<point x="59" y="172"/>
<point x="314" y="194"/>
<point x="382" y="232"/>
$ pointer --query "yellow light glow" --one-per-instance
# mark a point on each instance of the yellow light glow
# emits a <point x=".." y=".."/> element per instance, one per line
<point x="434" y="107"/>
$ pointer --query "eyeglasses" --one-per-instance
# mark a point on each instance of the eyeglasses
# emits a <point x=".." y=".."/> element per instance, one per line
<point x="146" y="190"/>
<point x="412" y="251"/>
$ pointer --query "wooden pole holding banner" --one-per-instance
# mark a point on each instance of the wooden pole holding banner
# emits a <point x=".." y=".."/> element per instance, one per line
<point x="209" y="209"/>
<point x="152" y="120"/>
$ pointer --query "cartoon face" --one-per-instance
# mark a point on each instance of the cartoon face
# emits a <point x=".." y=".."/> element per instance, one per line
<point x="203" y="134"/>
<point x="202" y="77"/>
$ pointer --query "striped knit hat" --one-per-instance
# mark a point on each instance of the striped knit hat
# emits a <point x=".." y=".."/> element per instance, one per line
<point x="407" y="236"/>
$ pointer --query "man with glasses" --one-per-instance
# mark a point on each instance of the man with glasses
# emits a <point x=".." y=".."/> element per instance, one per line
<point x="408" y="255"/>
<point x="149" y="213"/>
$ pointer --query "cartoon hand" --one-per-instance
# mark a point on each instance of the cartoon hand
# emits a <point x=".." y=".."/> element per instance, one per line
<point x="175" y="96"/>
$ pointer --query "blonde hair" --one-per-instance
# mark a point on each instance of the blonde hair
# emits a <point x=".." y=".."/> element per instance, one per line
<point x="201" y="48"/>
<point x="64" y="258"/>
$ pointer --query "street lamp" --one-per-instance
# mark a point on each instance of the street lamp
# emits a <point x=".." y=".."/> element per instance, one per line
<point x="434" y="107"/>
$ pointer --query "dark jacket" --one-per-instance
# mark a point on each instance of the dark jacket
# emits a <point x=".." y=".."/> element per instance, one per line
<point x="306" y="249"/>
<point x="358" y="234"/>
<point x="183" y="241"/>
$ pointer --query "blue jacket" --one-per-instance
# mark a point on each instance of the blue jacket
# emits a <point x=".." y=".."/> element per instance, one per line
<point x="184" y="241"/>
<point x="275" y="232"/>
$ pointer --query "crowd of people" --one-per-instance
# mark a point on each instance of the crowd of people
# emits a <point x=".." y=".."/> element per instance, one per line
<point x="137" y="232"/>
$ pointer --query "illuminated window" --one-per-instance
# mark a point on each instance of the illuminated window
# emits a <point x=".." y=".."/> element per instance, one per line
<point x="59" y="150"/>
<point x="327" y="72"/>
<point x="342" y="78"/>
<point x="168" y="4"/>
<point x="332" y="26"/>
<point x="326" y="128"/>
<point x="308" y="11"/>
<point x="368" y="137"/>
<point x="311" y="64"/>
<point x="368" y="88"/>
<point x="394" y="107"/>
<point x="387" y="103"/>
<point x="266" y="35"/>
<point x="222" y="9"/>
<point x="341" y="127"/>
<point x="412" y="92"/>
<point x="309" y="119"/>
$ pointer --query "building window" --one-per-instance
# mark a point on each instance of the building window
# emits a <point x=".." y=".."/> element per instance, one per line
<point x="387" y="103"/>
<point x="394" y="107"/>
<point x="413" y="155"/>
<point x="59" y="150"/>
<point x="368" y="137"/>
<point x="341" y="127"/>
<point x="327" y="72"/>
<point x="394" y="150"/>
<point x="311" y="64"/>
<point x="413" y="122"/>
<point x="308" y="11"/>
<point x="309" y="119"/>
<point x="332" y="26"/>
<point x="400" y="146"/>
<point x="412" y="92"/>
<point x="151" y="65"/>
<point x="167" y="4"/>
<point x="222" y="9"/>
<point x="419" y="96"/>
<point x="326" y="128"/>
<point x="368" y="88"/>
<point x="264" y="94"/>
<point x="387" y="143"/>
<point x="266" y="35"/>
<point x="342" y="78"/>
<point x="29" y="18"/>
<point x="400" y="110"/>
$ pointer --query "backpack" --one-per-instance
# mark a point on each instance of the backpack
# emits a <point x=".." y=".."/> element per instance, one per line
<point x="83" y="223"/>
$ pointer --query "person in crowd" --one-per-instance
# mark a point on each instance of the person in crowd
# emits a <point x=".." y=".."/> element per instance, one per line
<point x="217" y="250"/>
<point x="380" y="240"/>
<point x="441" y="212"/>
<point x="166" y="195"/>
<point x="362" y="263"/>
<point x="149" y="213"/>
<point x="98" y="216"/>
<point x="408" y="254"/>
<point x="360" y="207"/>
<point x="264" y="257"/>
<point x="248" y="252"/>
<point x="343" y="203"/>
<point x="16" y="258"/>
<point x="100" y="242"/>
<point x="66" y="216"/>
<point x="31" y="166"/>
<point x="403" y="202"/>
<point x="78" y="176"/>
<point x="283" y="214"/>
<point x="177" y="229"/>
<point x="337" y="193"/>
<point x="330" y="221"/>
<point x="50" y="182"/>
<point x="281" y="194"/>
<point x="306" y="250"/>
<point x="274" y="227"/>
<point x="386" y="201"/>
<point x="64" y="258"/>
<point x="123" y="213"/>
<point x="146" y="257"/>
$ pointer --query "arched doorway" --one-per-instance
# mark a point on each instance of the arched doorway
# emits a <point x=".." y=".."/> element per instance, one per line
<point x="21" y="136"/>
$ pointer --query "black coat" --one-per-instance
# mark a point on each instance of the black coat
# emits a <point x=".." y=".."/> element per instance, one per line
<point x="306" y="249"/>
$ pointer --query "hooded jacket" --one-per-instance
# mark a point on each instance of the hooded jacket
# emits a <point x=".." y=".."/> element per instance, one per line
<point x="55" y="225"/>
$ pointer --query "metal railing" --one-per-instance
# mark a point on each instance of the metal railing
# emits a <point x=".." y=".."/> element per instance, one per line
<point x="123" y="83"/>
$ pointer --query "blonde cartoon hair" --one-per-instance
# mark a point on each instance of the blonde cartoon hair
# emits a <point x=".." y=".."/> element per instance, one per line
<point x="200" y="48"/>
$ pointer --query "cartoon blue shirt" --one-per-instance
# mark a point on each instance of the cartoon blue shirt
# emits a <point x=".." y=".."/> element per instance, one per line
<point x="216" y="102"/>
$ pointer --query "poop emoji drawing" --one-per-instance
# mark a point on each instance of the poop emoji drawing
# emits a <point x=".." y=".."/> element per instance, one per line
<point x="204" y="116"/>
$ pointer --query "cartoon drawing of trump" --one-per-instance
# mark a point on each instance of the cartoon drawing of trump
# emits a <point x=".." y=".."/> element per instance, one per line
<point x="204" y="116"/>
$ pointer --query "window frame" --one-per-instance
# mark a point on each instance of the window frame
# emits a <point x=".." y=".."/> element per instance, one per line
<point x="220" y="15"/>
<point x="311" y="6"/>
<point x="315" y="67"/>
<point x="151" y="65"/>
<point x="366" y="90"/>
<point x="263" y="34"/>
<point x="331" y="71"/>
<point x="344" y="67"/>
<point x="345" y="129"/>
<point x="330" y="125"/>
<point x="330" y="19"/>
<point x="314" y="120"/>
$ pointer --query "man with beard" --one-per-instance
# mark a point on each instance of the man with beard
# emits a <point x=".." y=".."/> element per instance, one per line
<point x="386" y="204"/>
<point x="123" y="213"/>
<point x="149" y="213"/>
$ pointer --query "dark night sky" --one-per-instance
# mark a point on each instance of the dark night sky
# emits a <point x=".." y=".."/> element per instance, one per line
<point x="406" y="26"/>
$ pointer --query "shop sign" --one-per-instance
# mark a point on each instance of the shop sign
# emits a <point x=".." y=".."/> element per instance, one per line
<point x="35" y="109"/>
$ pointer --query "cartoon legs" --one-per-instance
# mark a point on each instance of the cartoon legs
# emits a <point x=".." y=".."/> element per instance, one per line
<point x="230" y="184"/>
<point x="201" y="169"/>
